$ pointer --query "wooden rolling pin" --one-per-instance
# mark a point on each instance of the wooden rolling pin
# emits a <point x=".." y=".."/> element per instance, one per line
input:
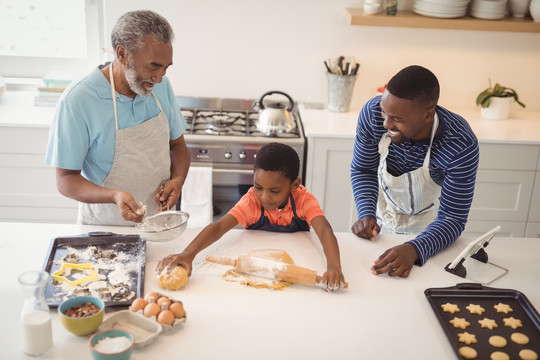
<point x="270" y="269"/>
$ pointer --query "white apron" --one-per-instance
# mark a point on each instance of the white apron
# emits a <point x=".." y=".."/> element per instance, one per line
<point x="408" y="203"/>
<point x="141" y="163"/>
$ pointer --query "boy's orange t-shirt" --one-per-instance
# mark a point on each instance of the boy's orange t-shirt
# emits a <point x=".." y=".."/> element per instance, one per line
<point x="247" y="211"/>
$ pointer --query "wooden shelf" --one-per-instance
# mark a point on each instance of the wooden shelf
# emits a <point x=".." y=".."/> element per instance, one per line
<point x="412" y="20"/>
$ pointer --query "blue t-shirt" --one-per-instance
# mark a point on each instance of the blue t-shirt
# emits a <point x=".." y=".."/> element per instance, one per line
<point x="453" y="165"/>
<point x="83" y="131"/>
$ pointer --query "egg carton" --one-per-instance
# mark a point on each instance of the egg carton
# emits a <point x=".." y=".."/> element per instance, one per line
<point x="165" y="327"/>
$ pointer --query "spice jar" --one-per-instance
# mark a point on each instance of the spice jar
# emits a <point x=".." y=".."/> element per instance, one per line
<point x="35" y="315"/>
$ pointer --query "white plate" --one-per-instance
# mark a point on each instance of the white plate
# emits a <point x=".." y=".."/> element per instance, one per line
<point x="437" y="14"/>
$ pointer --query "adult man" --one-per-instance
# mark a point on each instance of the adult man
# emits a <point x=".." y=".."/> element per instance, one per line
<point x="413" y="170"/>
<point x="117" y="153"/>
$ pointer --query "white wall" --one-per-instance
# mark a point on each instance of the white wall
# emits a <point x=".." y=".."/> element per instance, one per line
<point x="243" y="48"/>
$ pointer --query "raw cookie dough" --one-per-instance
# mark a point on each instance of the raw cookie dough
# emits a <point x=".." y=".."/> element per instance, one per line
<point x="497" y="341"/>
<point x="468" y="352"/>
<point x="475" y="309"/>
<point x="519" y="338"/>
<point x="527" y="354"/>
<point x="488" y="323"/>
<point x="467" y="338"/>
<point x="459" y="323"/>
<point x="513" y="323"/>
<point x="504" y="308"/>
<point x="451" y="308"/>
<point x="174" y="279"/>
<point x="257" y="281"/>
<point x="499" y="355"/>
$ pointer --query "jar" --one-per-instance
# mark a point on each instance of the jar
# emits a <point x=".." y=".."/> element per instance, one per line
<point x="35" y="315"/>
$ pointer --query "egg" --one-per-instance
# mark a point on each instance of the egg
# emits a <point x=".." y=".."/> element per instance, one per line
<point x="163" y="300"/>
<point x="138" y="304"/>
<point x="151" y="294"/>
<point x="166" y="317"/>
<point x="177" y="309"/>
<point x="152" y="309"/>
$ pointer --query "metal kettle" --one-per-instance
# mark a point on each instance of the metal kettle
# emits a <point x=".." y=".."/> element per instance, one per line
<point x="274" y="118"/>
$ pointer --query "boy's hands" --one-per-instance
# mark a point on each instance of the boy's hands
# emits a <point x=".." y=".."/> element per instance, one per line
<point x="333" y="279"/>
<point x="173" y="260"/>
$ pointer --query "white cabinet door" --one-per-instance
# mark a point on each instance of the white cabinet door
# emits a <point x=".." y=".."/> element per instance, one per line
<point x="328" y="179"/>
<point x="508" y="229"/>
<point x="534" y="213"/>
<point x="502" y="195"/>
<point x="533" y="229"/>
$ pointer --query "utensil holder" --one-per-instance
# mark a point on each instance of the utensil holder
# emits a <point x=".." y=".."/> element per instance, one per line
<point x="340" y="90"/>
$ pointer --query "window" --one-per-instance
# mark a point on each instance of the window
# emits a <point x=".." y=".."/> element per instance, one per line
<point x="38" y="36"/>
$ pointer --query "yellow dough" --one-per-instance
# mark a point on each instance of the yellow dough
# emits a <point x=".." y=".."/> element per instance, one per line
<point x="260" y="282"/>
<point x="468" y="352"/>
<point x="519" y="338"/>
<point x="175" y="279"/>
<point x="499" y="355"/>
<point x="528" y="354"/>
<point x="497" y="341"/>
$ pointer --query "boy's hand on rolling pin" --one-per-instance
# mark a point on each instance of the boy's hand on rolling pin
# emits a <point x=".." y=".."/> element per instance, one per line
<point x="333" y="278"/>
<point x="173" y="260"/>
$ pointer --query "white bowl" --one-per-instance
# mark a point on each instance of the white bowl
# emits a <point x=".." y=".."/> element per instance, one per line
<point x="163" y="226"/>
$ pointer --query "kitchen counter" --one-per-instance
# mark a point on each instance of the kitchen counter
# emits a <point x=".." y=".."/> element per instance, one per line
<point x="373" y="319"/>
<point x="522" y="126"/>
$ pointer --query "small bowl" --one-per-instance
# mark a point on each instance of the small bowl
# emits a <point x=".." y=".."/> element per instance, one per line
<point x="124" y="354"/>
<point x="163" y="226"/>
<point x="84" y="325"/>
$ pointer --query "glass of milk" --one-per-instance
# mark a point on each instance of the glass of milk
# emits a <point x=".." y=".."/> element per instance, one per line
<point x="35" y="315"/>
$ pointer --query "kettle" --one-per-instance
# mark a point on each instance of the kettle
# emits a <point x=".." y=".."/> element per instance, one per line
<point x="274" y="118"/>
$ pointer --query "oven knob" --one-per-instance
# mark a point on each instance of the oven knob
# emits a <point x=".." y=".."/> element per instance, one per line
<point x="242" y="155"/>
<point x="228" y="154"/>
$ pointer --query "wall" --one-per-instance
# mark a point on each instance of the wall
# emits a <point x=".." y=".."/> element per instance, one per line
<point x="243" y="48"/>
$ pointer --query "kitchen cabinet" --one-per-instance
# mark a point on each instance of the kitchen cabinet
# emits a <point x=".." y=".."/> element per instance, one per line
<point x="408" y="19"/>
<point x="27" y="185"/>
<point x="328" y="179"/>
<point x="505" y="184"/>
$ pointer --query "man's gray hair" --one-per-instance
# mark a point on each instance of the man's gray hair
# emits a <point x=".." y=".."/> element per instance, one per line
<point x="131" y="30"/>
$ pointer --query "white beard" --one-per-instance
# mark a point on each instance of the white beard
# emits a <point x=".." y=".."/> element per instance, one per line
<point x="135" y="84"/>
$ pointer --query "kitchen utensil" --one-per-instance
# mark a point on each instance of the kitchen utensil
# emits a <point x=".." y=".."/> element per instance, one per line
<point x="274" y="117"/>
<point x="271" y="269"/>
<point x="464" y="294"/>
<point x="66" y="271"/>
<point x="123" y="354"/>
<point x="163" y="226"/>
<point x="472" y="263"/>
<point x="83" y="325"/>
<point x="105" y="251"/>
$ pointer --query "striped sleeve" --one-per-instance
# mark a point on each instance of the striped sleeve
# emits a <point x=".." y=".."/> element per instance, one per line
<point x="365" y="161"/>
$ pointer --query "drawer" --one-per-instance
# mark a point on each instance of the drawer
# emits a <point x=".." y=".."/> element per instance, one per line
<point x="508" y="156"/>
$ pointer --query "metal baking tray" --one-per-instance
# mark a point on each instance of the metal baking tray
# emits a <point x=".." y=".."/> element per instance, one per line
<point x="464" y="294"/>
<point x="129" y="253"/>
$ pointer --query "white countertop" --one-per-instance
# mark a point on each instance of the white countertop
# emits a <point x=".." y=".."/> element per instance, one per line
<point x="373" y="319"/>
<point x="522" y="126"/>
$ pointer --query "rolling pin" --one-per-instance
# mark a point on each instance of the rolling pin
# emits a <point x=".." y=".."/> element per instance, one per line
<point x="271" y="269"/>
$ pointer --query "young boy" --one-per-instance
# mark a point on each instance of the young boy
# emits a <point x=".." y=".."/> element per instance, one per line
<point x="276" y="202"/>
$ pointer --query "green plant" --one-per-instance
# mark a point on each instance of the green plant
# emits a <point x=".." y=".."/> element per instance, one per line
<point x="484" y="98"/>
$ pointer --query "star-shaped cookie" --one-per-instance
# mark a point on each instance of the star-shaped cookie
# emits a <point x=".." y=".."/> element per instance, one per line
<point x="513" y="323"/>
<point x="451" y="308"/>
<point x="475" y="309"/>
<point x="504" y="308"/>
<point x="488" y="323"/>
<point x="459" y="323"/>
<point x="467" y="338"/>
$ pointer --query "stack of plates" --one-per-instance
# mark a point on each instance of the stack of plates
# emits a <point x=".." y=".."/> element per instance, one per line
<point x="441" y="8"/>
<point x="488" y="9"/>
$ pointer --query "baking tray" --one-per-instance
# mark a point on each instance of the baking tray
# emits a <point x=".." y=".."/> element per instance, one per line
<point x="127" y="250"/>
<point x="464" y="294"/>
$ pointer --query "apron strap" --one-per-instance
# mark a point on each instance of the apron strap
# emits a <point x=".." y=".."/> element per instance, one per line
<point x="113" y="91"/>
<point x="433" y="131"/>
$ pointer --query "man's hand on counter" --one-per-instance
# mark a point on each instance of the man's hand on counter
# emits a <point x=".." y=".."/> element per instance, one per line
<point x="366" y="228"/>
<point x="396" y="261"/>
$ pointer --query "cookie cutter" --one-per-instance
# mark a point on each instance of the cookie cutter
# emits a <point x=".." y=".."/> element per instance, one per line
<point x="59" y="274"/>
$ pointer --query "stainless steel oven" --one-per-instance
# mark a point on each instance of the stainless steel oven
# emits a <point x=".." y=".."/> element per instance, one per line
<point x="222" y="133"/>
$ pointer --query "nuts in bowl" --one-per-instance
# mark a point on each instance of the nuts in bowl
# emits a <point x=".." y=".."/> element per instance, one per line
<point x="81" y="315"/>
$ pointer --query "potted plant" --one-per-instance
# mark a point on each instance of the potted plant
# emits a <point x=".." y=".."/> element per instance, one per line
<point x="495" y="101"/>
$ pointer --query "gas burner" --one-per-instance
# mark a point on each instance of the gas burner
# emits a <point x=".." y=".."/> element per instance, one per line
<point x="221" y="119"/>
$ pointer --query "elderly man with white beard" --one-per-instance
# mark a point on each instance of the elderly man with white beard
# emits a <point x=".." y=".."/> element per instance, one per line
<point x="117" y="138"/>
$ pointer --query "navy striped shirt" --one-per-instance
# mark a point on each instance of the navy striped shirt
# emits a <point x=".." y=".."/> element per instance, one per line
<point x="453" y="165"/>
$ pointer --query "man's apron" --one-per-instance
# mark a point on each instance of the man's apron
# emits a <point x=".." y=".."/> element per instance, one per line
<point x="141" y="162"/>
<point x="408" y="203"/>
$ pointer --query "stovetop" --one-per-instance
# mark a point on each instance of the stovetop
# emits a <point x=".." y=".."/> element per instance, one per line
<point x="227" y="117"/>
